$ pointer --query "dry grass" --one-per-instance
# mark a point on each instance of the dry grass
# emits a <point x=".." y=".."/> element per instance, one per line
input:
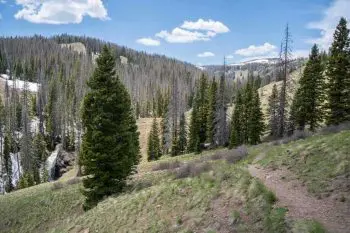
<point x="166" y="165"/>
<point x="144" y="126"/>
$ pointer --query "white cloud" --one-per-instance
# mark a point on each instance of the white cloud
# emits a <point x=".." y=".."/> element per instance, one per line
<point x="148" y="41"/>
<point x="229" y="57"/>
<point x="300" y="53"/>
<point x="259" y="50"/>
<point x="60" y="11"/>
<point x="206" y="54"/>
<point x="210" y="25"/>
<point x="178" y="35"/>
<point x="189" y="32"/>
<point x="2" y="1"/>
<point x="327" y="25"/>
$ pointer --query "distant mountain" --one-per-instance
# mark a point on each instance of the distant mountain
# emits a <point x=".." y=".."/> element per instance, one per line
<point x="265" y="68"/>
<point x="257" y="61"/>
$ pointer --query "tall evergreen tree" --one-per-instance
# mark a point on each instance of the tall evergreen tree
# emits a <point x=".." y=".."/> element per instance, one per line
<point x="3" y="62"/>
<point x="256" y="124"/>
<point x="39" y="154"/>
<point x="153" y="150"/>
<point x="247" y="111"/>
<point x="211" y="122"/>
<point x="338" y="71"/>
<point x="194" y="139"/>
<point x="182" y="141"/>
<point x="236" y="137"/>
<point x="221" y="132"/>
<point x="202" y="104"/>
<point x="110" y="147"/>
<point x="166" y="129"/>
<point x="273" y="112"/>
<point x="308" y="101"/>
<point x="7" y="162"/>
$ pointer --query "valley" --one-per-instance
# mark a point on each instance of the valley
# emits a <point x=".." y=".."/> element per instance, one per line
<point x="177" y="116"/>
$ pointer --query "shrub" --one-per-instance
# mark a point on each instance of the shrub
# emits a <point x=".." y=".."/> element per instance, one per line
<point x="167" y="165"/>
<point x="236" y="154"/>
<point x="216" y="156"/>
<point x="192" y="170"/>
<point x="57" y="185"/>
<point x="335" y="128"/>
<point x="297" y="135"/>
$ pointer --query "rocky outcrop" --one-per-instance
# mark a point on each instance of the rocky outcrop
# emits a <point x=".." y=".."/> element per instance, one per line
<point x="64" y="161"/>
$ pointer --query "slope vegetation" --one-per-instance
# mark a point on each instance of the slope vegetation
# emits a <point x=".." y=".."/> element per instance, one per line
<point x="211" y="192"/>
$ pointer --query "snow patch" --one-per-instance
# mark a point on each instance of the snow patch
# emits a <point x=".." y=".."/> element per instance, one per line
<point x="258" y="61"/>
<point x="34" y="125"/>
<point x="16" y="167"/>
<point x="51" y="162"/>
<point x="19" y="84"/>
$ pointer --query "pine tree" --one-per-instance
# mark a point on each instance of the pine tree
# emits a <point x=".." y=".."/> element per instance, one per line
<point x="182" y="142"/>
<point x="339" y="75"/>
<point x="166" y="130"/>
<point x="202" y="104"/>
<point x="154" y="152"/>
<point x="110" y="147"/>
<point x="7" y="162"/>
<point x="194" y="139"/>
<point x="221" y="132"/>
<point x="3" y="62"/>
<point x="236" y="137"/>
<point x="39" y="155"/>
<point x="308" y="101"/>
<point x="160" y="103"/>
<point x="212" y="103"/>
<point x="256" y="120"/>
<point x="247" y="111"/>
<point x="273" y="112"/>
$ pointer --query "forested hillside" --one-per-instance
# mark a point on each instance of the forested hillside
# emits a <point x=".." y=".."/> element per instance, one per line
<point x="43" y="81"/>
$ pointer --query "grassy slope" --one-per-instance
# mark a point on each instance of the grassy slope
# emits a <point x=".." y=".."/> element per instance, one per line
<point x="225" y="198"/>
<point x="320" y="162"/>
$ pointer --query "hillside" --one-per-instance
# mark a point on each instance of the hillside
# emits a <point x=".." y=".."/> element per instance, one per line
<point x="211" y="192"/>
<point x="66" y="57"/>
<point x="265" y="68"/>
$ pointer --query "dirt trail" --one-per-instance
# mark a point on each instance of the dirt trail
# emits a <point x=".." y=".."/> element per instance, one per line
<point x="335" y="216"/>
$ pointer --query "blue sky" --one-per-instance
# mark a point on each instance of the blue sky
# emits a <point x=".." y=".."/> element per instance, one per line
<point x="200" y="32"/>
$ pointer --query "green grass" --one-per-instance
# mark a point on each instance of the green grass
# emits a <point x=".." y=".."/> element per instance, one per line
<point x="307" y="226"/>
<point x="316" y="160"/>
<point x="39" y="208"/>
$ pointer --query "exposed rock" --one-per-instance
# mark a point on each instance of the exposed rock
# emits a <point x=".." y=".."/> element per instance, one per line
<point x="123" y="60"/>
<point x="77" y="47"/>
<point x="64" y="162"/>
